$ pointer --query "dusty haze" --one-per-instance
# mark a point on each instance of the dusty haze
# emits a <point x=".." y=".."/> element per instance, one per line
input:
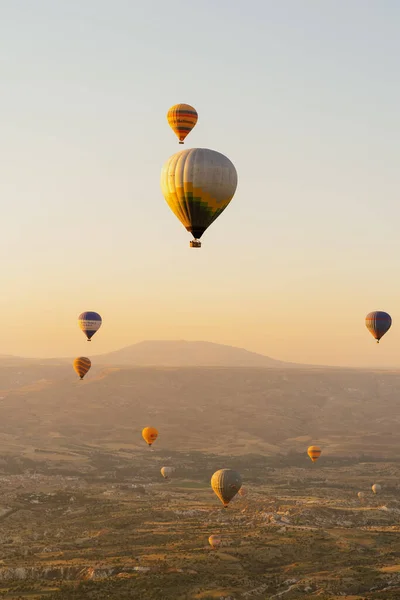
<point x="241" y="403"/>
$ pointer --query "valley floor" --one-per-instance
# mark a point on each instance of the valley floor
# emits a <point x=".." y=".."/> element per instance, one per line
<point x="120" y="531"/>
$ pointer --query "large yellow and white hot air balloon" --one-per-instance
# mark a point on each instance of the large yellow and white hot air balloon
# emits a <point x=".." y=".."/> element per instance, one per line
<point x="198" y="185"/>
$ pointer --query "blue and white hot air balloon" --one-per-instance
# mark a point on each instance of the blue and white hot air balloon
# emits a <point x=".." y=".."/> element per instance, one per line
<point x="89" y="322"/>
<point x="378" y="323"/>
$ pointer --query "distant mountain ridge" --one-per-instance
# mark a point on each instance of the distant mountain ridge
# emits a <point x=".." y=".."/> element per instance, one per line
<point x="181" y="353"/>
<point x="166" y="353"/>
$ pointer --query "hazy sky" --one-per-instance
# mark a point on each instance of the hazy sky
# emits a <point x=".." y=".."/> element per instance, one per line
<point x="302" y="95"/>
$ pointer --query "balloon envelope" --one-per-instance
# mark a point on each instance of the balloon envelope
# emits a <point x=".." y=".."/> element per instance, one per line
<point x="378" y="323"/>
<point x="182" y="118"/>
<point x="166" y="472"/>
<point x="226" y="483"/>
<point x="314" y="452"/>
<point x="82" y="366"/>
<point x="376" y="488"/>
<point x="89" y="322"/>
<point x="150" y="435"/>
<point x="198" y="185"/>
<point x="214" y="541"/>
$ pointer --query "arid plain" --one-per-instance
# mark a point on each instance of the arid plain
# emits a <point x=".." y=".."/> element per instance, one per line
<point x="85" y="512"/>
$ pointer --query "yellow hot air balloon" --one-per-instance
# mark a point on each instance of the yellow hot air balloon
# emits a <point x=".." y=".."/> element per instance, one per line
<point x="182" y="118"/>
<point x="150" y="435"/>
<point x="82" y="366"/>
<point x="361" y="496"/>
<point x="198" y="185"/>
<point x="314" y="452"/>
<point x="215" y="541"/>
<point x="376" y="488"/>
<point x="226" y="483"/>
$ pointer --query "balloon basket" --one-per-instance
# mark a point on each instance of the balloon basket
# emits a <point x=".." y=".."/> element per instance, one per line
<point x="195" y="244"/>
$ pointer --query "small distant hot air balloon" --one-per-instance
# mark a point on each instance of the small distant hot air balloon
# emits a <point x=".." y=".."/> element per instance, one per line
<point x="182" y="118"/>
<point x="314" y="452"/>
<point x="89" y="322"/>
<point x="226" y="483"/>
<point x="150" y="435"/>
<point x="167" y="472"/>
<point x="361" y="496"/>
<point x="198" y="185"/>
<point x="242" y="492"/>
<point x="214" y="541"/>
<point x="82" y="366"/>
<point x="376" y="488"/>
<point x="378" y="323"/>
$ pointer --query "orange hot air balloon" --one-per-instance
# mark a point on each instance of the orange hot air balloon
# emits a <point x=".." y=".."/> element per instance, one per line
<point x="314" y="452"/>
<point x="82" y="366"/>
<point x="214" y="541"/>
<point x="150" y="435"/>
<point x="182" y="118"/>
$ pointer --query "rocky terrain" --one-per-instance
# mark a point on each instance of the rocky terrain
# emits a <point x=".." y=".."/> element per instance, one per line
<point x="85" y="513"/>
<point x="119" y="530"/>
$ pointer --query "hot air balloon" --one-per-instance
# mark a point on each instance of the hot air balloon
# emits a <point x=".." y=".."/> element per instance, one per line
<point x="378" y="323"/>
<point x="376" y="488"/>
<point x="361" y="495"/>
<point x="182" y="118"/>
<point x="89" y="322"/>
<point x="226" y="483"/>
<point x="314" y="452"/>
<point x="167" y="472"/>
<point x="82" y="366"/>
<point x="198" y="185"/>
<point x="150" y="435"/>
<point x="214" y="541"/>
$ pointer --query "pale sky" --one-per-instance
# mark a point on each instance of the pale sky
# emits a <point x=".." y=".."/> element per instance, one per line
<point x="303" y="96"/>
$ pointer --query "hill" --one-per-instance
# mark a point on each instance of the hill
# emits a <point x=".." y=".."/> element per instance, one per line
<point x="217" y="410"/>
<point x="187" y="354"/>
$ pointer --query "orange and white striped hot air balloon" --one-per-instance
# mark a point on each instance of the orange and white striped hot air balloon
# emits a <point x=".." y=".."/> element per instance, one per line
<point x="314" y="452"/>
<point x="182" y="118"/>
